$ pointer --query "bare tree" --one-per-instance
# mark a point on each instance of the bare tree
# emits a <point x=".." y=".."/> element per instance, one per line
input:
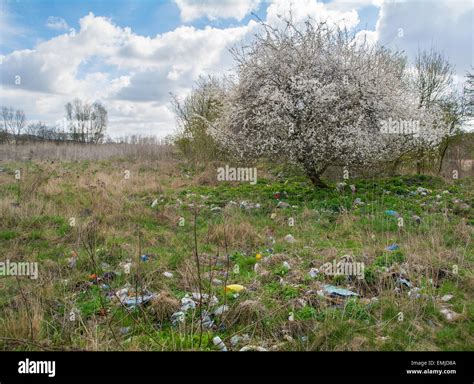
<point x="19" y="124"/>
<point x="87" y="123"/>
<point x="433" y="80"/>
<point x="202" y="106"/>
<point x="8" y="115"/>
<point x="99" y="120"/>
<point x="433" y="76"/>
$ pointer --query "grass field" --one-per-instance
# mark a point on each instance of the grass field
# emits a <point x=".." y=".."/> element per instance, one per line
<point x="87" y="225"/>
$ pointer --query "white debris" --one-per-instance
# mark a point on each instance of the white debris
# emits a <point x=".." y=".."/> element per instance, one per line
<point x="282" y="204"/>
<point x="220" y="310"/>
<point x="313" y="272"/>
<point x="219" y="344"/>
<point x="187" y="304"/>
<point x="446" y="298"/>
<point x="449" y="314"/>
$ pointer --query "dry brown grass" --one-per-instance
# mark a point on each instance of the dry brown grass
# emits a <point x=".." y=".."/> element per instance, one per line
<point x="164" y="305"/>
<point x="239" y="234"/>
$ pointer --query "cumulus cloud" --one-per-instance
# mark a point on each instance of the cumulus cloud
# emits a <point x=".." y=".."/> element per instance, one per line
<point x="133" y="74"/>
<point x="215" y="9"/>
<point x="318" y="11"/>
<point x="56" y="23"/>
<point x="448" y="27"/>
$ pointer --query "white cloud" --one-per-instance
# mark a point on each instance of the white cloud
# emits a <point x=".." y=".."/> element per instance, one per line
<point x="448" y="27"/>
<point x="318" y="11"/>
<point x="56" y="23"/>
<point x="216" y="9"/>
<point x="147" y="70"/>
<point x="134" y="74"/>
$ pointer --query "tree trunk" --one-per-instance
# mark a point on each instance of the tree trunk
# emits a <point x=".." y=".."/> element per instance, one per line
<point x="441" y="157"/>
<point x="315" y="177"/>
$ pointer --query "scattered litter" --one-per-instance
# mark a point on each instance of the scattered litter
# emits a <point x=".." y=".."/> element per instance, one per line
<point x="391" y="212"/>
<point x="212" y="300"/>
<point x="187" y="304"/>
<point x="291" y="316"/>
<point x="145" y="258"/>
<point x="273" y="216"/>
<point x="216" y="209"/>
<point x="231" y="204"/>
<point x="131" y="299"/>
<point x="219" y="344"/>
<point x="404" y="282"/>
<point x="282" y="204"/>
<point x="72" y="261"/>
<point x="258" y="256"/>
<point x="217" y="281"/>
<point x="414" y="293"/>
<point x="313" y="272"/>
<point x="417" y="219"/>
<point x="302" y="302"/>
<point x="286" y="265"/>
<point x="270" y="241"/>
<point x="124" y="330"/>
<point x="177" y="317"/>
<point x="206" y="320"/>
<point x="336" y="291"/>
<point x="220" y="310"/>
<point x="247" y="205"/>
<point x="168" y="274"/>
<point x="392" y="247"/>
<point x="358" y="202"/>
<point x="104" y="266"/>
<point x="423" y="191"/>
<point x="235" y="288"/>
<point x="126" y="266"/>
<point x="450" y="315"/>
<point x="155" y="203"/>
<point x="340" y="186"/>
<point x="353" y="188"/>
<point x="252" y="348"/>
<point x="290" y="239"/>
<point x="446" y="298"/>
<point x="236" y="339"/>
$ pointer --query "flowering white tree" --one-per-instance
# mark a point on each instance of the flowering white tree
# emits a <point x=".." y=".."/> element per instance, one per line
<point x="315" y="95"/>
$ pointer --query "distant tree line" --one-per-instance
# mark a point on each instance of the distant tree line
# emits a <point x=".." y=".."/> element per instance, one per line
<point x="83" y="123"/>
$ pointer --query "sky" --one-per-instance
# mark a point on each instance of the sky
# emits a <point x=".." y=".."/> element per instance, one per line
<point x="130" y="55"/>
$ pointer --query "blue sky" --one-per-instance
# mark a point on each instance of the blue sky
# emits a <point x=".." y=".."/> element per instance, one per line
<point x="131" y="54"/>
<point x="145" y="17"/>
